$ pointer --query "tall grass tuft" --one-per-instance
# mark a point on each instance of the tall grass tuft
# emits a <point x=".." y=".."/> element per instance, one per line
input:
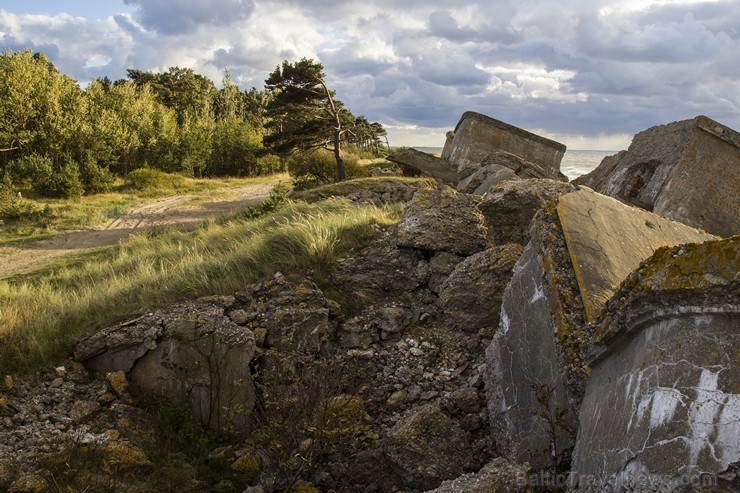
<point x="42" y="315"/>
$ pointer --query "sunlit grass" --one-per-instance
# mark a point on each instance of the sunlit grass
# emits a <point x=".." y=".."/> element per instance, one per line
<point x="42" y="315"/>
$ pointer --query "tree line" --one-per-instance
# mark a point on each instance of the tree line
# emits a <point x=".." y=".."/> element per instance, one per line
<point x="53" y="132"/>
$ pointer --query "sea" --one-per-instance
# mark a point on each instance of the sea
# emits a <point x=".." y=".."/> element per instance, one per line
<point x="574" y="163"/>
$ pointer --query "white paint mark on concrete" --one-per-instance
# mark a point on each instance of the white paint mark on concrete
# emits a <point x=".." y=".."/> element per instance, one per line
<point x="665" y="401"/>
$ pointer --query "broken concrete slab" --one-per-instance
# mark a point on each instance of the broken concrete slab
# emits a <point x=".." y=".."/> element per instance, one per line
<point x="477" y="136"/>
<point x="509" y="207"/>
<point x="608" y="239"/>
<point x="536" y="371"/>
<point x="190" y="353"/>
<point x="662" y="404"/>
<point x="443" y="220"/>
<point x="427" y="163"/>
<point x="687" y="171"/>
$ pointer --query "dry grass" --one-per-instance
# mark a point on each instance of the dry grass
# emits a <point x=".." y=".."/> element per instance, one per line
<point x="42" y="315"/>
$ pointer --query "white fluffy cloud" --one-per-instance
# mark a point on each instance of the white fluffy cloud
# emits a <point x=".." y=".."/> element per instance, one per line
<point x="581" y="70"/>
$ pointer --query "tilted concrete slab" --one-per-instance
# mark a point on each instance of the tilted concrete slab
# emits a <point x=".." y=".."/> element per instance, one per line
<point x="608" y="239"/>
<point x="435" y="166"/>
<point x="581" y="248"/>
<point x="688" y="171"/>
<point x="476" y="136"/>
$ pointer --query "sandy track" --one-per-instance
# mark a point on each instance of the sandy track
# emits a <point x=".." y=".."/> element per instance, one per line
<point x="169" y="211"/>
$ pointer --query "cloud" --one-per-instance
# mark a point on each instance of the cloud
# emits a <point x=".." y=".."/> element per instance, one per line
<point x="579" y="67"/>
<point x="185" y="16"/>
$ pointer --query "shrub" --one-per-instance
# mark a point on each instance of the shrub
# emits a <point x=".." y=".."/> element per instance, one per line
<point x="146" y="179"/>
<point x="320" y="167"/>
<point x="64" y="182"/>
<point x="95" y="178"/>
<point x="29" y="169"/>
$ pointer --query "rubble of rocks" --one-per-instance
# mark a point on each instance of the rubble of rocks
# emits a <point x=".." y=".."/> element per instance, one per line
<point x="524" y="335"/>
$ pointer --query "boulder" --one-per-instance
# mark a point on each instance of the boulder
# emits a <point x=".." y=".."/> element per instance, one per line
<point x="476" y="136"/>
<point x="580" y="250"/>
<point x="294" y="316"/>
<point x="499" y="475"/>
<point x="427" y="447"/>
<point x="381" y="270"/>
<point x="509" y="207"/>
<point x="190" y="353"/>
<point x="443" y="220"/>
<point x="441" y="266"/>
<point x="471" y="296"/>
<point x="687" y="171"/>
<point x="662" y="406"/>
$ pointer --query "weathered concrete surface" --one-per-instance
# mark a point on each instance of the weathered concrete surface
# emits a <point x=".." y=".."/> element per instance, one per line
<point x="608" y="239"/>
<point x="687" y="171"/>
<point x="422" y="161"/>
<point x="443" y="220"/>
<point x="509" y="207"/>
<point x="662" y="406"/>
<point x="190" y="353"/>
<point x="477" y="136"/>
<point x="579" y="252"/>
<point x="471" y="296"/>
<point x="533" y="372"/>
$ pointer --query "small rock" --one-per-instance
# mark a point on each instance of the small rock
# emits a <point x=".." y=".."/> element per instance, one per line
<point x="117" y="382"/>
<point x="60" y="371"/>
<point x="397" y="398"/>
<point x="239" y="317"/>
<point x="415" y="351"/>
<point x="57" y="382"/>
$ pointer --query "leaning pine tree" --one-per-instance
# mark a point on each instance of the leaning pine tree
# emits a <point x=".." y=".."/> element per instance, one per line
<point x="303" y="112"/>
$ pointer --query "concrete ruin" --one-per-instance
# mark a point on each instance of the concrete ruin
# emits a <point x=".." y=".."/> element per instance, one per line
<point x="483" y="151"/>
<point x="579" y="252"/>
<point x="477" y="136"/>
<point x="661" y="409"/>
<point x="687" y="171"/>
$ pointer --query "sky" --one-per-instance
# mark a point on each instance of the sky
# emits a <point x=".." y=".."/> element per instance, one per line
<point x="587" y="73"/>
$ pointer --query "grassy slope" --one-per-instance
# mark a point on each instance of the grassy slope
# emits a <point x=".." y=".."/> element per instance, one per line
<point x="42" y="315"/>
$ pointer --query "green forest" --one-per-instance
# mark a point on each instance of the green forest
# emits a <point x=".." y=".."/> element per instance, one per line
<point x="61" y="140"/>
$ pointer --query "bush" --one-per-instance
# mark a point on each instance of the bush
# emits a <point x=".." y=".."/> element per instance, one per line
<point x="320" y="167"/>
<point x="13" y="207"/>
<point x="95" y="178"/>
<point x="64" y="182"/>
<point x="146" y="179"/>
<point x="29" y="169"/>
<point x="152" y="179"/>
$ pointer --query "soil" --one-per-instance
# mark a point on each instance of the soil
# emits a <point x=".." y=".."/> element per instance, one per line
<point x="179" y="210"/>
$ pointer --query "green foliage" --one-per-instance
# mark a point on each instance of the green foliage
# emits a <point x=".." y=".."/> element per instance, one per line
<point x="278" y="196"/>
<point x="95" y="178"/>
<point x="146" y="179"/>
<point x="318" y="167"/>
<point x="61" y="182"/>
<point x="13" y="207"/>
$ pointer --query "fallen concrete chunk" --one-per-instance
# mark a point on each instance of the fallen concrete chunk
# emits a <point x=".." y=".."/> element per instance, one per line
<point x="427" y="447"/>
<point x="607" y="240"/>
<point x="662" y="404"/>
<point x="190" y="353"/>
<point x="435" y="166"/>
<point x="477" y="136"/>
<point x="443" y="220"/>
<point x="687" y="171"/>
<point x="471" y="296"/>
<point x="509" y="207"/>
<point x="579" y="252"/>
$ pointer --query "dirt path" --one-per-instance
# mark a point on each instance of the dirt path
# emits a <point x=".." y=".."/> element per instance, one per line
<point x="169" y="211"/>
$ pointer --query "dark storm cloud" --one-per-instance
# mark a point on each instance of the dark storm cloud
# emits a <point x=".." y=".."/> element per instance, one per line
<point x="184" y="16"/>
